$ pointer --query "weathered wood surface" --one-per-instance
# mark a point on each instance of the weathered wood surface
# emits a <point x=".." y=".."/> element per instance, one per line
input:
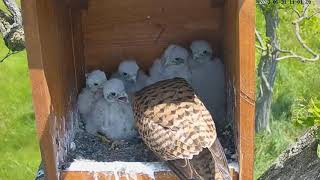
<point x="165" y="175"/>
<point x="50" y="48"/>
<point x="239" y="55"/>
<point x="114" y="30"/>
<point x="299" y="161"/>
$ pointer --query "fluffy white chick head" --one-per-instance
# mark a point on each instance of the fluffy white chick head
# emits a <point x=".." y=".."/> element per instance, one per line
<point x="201" y="51"/>
<point x="128" y="69"/>
<point x="95" y="80"/>
<point x="175" y="55"/>
<point x="114" y="91"/>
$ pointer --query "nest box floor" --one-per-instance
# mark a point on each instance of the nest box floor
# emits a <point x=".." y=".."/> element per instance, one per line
<point x="91" y="147"/>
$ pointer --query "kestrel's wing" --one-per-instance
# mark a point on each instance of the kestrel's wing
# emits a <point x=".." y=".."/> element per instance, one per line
<point x="173" y="122"/>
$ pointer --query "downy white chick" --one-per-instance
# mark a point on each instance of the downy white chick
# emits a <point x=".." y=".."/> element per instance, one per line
<point x="92" y="92"/>
<point x="113" y="115"/>
<point x="133" y="78"/>
<point x="208" y="79"/>
<point x="173" y="63"/>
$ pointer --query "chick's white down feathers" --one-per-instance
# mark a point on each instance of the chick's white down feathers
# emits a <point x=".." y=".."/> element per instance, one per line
<point x="92" y="92"/>
<point x="173" y="63"/>
<point x="133" y="78"/>
<point x="112" y="115"/>
<point x="208" y="79"/>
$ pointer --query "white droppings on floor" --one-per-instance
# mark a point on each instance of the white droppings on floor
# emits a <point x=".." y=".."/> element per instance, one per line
<point x="117" y="168"/>
<point x="234" y="165"/>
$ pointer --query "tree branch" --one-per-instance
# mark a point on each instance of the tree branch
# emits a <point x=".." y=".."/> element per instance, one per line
<point x="260" y="41"/>
<point x="7" y="55"/>
<point x="296" y="24"/>
<point x="14" y="11"/>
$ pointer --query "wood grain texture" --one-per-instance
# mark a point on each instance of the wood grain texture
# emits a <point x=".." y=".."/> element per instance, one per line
<point x="77" y="175"/>
<point x="114" y="30"/>
<point x="78" y="48"/>
<point x="239" y="54"/>
<point x="77" y="4"/>
<point x="246" y="87"/>
<point x="84" y="175"/>
<point x="53" y="77"/>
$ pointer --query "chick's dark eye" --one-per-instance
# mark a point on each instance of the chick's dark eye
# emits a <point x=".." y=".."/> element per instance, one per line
<point x="95" y="84"/>
<point x="205" y="52"/>
<point x="125" y="74"/>
<point x="113" y="94"/>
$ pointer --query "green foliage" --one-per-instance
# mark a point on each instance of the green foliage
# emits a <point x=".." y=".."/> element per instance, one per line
<point x="294" y="80"/>
<point x="268" y="146"/>
<point x="306" y="113"/>
<point x="19" y="148"/>
<point x="318" y="150"/>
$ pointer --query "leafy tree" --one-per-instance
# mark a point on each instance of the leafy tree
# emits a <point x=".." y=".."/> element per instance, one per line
<point x="272" y="53"/>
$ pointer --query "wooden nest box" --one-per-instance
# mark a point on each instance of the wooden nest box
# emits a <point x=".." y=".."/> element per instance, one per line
<point x="66" y="38"/>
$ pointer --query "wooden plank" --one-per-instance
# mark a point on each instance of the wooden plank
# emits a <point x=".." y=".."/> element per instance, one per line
<point x="239" y="54"/>
<point x="77" y="175"/>
<point x="247" y="87"/>
<point x="85" y="175"/>
<point x="40" y="91"/>
<point x="78" y="48"/>
<point x="114" y="30"/>
<point x="52" y="73"/>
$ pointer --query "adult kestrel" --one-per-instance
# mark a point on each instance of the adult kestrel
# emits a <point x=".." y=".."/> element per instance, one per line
<point x="177" y="127"/>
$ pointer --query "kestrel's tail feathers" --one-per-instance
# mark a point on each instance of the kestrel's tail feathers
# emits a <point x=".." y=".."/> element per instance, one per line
<point x="209" y="164"/>
<point x="184" y="169"/>
<point x="220" y="161"/>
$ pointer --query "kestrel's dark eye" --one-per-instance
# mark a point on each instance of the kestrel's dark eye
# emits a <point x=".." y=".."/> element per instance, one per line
<point x="95" y="84"/>
<point x="125" y="74"/>
<point x="205" y="52"/>
<point x="113" y="94"/>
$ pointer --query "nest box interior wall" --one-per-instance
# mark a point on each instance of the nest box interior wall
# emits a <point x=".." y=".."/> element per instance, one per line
<point x="114" y="30"/>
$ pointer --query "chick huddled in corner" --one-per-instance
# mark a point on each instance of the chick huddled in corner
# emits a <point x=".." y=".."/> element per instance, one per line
<point x="91" y="93"/>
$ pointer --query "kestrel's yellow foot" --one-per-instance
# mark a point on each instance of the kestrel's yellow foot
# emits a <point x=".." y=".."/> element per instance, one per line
<point x="103" y="139"/>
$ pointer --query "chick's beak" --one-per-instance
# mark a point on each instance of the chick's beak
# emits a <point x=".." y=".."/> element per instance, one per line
<point x="134" y="78"/>
<point x="123" y="98"/>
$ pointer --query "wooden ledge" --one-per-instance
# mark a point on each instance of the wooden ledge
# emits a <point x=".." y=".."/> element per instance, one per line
<point x="89" y="170"/>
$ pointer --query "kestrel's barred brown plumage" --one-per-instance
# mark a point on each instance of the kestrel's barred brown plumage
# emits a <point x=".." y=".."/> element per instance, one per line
<point x="177" y="127"/>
